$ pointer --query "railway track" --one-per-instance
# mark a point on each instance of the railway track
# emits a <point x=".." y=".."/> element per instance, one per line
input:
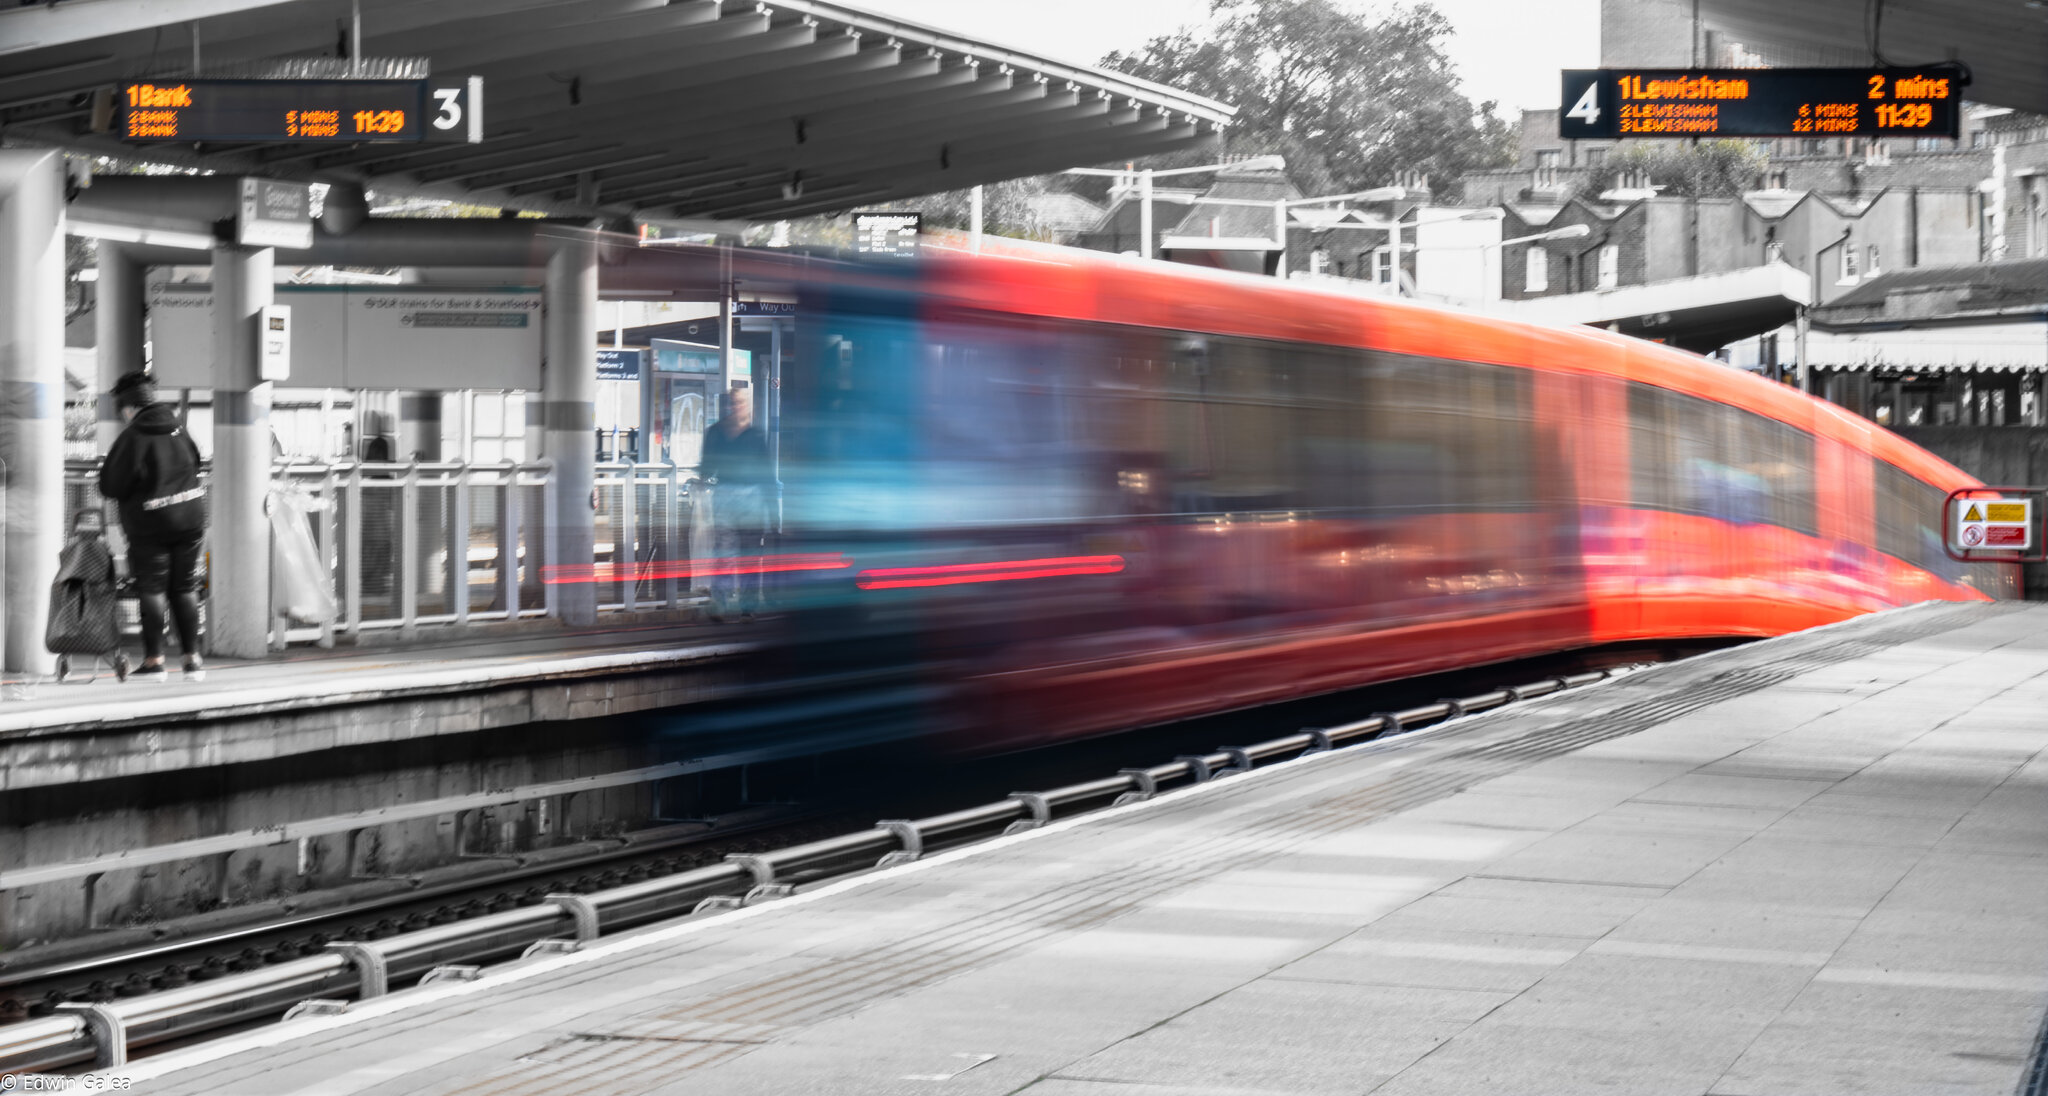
<point x="38" y="990"/>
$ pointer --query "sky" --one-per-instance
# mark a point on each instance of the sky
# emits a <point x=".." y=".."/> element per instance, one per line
<point x="1509" y="50"/>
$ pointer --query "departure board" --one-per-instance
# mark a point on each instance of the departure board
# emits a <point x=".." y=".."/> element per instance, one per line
<point x="1787" y="102"/>
<point x="311" y="111"/>
<point x="892" y="234"/>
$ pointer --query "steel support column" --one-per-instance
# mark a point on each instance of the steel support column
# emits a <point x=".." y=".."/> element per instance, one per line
<point x="238" y="541"/>
<point x="117" y="325"/>
<point x="31" y="398"/>
<point x="569" y="417"/>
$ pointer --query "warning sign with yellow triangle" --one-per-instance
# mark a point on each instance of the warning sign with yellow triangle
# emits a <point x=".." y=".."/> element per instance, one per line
<point x="1973" y="514"/>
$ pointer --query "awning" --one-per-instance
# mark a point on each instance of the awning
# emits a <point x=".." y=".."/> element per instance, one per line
<point x="655" y="109"/>
<point x="1699" y="313"/>
<point x="1996" y="347"/>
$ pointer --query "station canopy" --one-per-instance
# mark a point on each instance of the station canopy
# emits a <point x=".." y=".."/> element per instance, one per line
<point x="2004" y="42"/>
<point x="649" y="109"/>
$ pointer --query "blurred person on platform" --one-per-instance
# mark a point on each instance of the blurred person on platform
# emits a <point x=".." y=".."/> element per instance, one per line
<point x="736" y="465"/>
<point x="153" y="473"/>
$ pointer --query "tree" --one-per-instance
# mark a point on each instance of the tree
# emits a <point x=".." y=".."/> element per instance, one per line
<point x="1708" y="169"/>
<point x="1349" y="100"/>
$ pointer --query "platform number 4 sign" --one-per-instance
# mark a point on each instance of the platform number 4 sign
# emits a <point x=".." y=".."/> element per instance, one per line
<point x="455" y="110"/>
<point x="1585" y="114"/>
<point x="1588" y="106"/>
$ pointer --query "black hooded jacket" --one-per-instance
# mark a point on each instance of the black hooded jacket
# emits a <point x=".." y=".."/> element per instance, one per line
<point x="153" y="472"/>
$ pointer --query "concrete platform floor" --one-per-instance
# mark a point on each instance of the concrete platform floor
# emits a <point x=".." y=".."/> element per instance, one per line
<point x="1812" y="865"/>
<point x="309" y="676"/>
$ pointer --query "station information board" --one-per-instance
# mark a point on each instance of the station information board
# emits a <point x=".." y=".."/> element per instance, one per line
<point x="1785" y="102"/>
<point x="892" y="234"/>
<point x="301" y="111"/>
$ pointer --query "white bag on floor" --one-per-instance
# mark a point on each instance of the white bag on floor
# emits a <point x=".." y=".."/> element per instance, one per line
<point x="301" y="588"/>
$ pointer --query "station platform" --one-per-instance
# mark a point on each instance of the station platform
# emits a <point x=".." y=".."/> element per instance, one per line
<point x="312" y="700"/>
<point x="1812" y="865"/>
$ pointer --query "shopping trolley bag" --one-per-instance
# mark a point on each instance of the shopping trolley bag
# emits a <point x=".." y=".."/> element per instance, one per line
<point x="83" y="617"/>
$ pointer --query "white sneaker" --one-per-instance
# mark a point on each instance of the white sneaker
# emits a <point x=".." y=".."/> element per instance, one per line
<point x="194" y="670"/>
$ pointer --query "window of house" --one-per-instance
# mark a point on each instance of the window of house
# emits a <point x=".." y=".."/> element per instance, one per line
<point x="1596" y="157"/>
<point x="1382" y="265"/>
<point x="1873" y="267"/>
<point x="1775" y="180"/>
<point x="1928" y="144"/>
<point x="2037" y="226"/>
<point x="1546" y="158"/>
<point x="1610" y="266"/>
<point x="1536" y="277"/>
<point x="1849" y="268"/>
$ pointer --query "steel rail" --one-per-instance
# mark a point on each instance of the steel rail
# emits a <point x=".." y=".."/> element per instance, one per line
<point x="101" y="1034"/>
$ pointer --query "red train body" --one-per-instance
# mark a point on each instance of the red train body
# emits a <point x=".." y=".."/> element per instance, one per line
<point x="1249" y="490"/>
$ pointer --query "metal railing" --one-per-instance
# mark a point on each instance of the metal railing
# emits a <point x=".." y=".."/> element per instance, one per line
<point x="643" y="536"/>
<point x="103" y="1033"/>
<point x="452" y="543"/>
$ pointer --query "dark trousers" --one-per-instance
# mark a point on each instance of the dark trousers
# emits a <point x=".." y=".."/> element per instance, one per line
<point x="167" y="576"/>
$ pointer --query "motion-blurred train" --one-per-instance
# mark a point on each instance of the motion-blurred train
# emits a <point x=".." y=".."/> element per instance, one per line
<point x="1104" y="493"/>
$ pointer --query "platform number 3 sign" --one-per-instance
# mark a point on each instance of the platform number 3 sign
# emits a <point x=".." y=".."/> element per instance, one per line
<point x="455" y="110"/>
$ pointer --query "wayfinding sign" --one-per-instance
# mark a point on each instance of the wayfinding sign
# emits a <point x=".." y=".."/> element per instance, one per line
<point x="621" y="363"/>
<point x="1776" y="102"/>
<point x="301" y="111"/>
<point x="437" y="338"/>
<point x="274" y="214"/>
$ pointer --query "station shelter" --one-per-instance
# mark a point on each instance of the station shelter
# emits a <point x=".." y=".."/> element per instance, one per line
<point x="568" y="127"/>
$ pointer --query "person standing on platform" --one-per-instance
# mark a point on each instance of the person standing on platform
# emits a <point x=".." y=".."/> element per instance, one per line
<point x="153" y="473"/>
<point x="736" y="465"/>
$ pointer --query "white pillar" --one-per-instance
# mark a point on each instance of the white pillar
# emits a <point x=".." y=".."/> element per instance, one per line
<point x="117" y="326"/>
<point x="725" y="377"/>
<point x="569" y="419"/>
<point x="768" y="406"/>
<point x="1804" y="375"/>
<point x="1394" y="236"/>
<point x="31" y="397"/>
<point x="975" y="237"/>
<point x="1145" y="213"/>
<point x="238" y="538"/>
<point x="1280" y="239"/>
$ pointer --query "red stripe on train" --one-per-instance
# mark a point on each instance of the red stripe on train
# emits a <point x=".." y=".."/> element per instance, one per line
<point x="957" y="574"/>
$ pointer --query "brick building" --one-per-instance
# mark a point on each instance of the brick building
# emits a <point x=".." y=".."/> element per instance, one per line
<point x="1937" y="346"/>
<point x="1638" y="239"/>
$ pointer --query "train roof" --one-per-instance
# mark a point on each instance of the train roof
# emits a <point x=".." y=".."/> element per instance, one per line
<point x="1069" y="283"/>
